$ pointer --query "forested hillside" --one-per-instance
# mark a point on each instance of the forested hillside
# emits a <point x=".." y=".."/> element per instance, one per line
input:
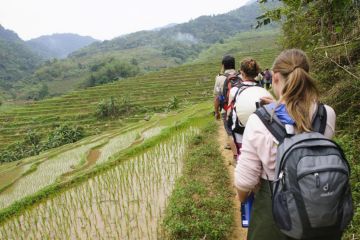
<point x="20" y="59"/>
<point x="16" y="59"/>
<point x="249" y="41"/>
<point x="184" y="37"/>
<point x="58" y="45"/>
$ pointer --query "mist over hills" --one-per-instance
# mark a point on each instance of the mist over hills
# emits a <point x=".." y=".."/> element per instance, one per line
<point x="58" y="45"/>
<point x="202" y="30"/>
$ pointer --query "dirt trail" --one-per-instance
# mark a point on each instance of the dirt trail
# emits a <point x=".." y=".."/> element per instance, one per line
<point x="238" y="233"/>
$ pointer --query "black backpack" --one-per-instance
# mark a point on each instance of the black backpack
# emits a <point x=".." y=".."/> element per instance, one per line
<point x="311" y="194"/>
<point x="232" y="80"/>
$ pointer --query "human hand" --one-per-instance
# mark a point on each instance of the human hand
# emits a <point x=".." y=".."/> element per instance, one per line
<point x="266" y="100"/>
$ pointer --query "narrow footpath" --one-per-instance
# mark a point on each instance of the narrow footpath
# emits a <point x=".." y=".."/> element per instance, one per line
<point x="238" y="232"/>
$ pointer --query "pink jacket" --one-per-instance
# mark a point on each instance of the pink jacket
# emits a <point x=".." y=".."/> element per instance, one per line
<point x="258" y="152"/>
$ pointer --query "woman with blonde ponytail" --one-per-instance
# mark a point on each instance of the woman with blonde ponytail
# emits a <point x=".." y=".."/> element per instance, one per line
<point x="297" y="102"/>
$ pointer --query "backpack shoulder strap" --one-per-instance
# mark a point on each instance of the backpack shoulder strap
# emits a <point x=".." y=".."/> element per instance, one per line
<point x="237" y="93"/>
<point x="241" y="88"/>
<point x="225" y="86"/>
<point x="320" y="118"/>
<point x="275" y="127"/>
<point x="228" y="89"/>
<point x="278" y="130"/>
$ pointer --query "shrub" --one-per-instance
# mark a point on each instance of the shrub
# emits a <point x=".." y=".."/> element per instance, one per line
<point x="109" y="71"/>
<point x="64" y="134"/>
<point x="32" y="143"/>
<point x="173" y="104"/>
<point x="112" y="108"/>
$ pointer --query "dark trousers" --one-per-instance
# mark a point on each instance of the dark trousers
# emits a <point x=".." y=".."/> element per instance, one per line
<point x="262" y="225"/>
<point x="227" y="129"/>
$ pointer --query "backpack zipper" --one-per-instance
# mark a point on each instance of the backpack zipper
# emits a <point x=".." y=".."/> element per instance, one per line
<point x="317" y="179"/>
<point x="316" y="173"/>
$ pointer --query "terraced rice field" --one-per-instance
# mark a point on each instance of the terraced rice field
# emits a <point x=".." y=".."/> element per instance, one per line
<point x="126" y="202"/>
<point x="148" y="93"/>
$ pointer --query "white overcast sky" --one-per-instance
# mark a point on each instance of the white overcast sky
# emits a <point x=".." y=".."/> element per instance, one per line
<point x="103" y="19"/>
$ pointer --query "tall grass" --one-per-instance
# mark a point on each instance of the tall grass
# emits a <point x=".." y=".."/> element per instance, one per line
<point x="201" y="205"/>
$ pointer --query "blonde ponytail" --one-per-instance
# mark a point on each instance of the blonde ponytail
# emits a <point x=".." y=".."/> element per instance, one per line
<point x="299" y="92"/>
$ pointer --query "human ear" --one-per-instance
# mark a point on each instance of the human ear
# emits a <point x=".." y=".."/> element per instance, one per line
<point x="275" y="77"/>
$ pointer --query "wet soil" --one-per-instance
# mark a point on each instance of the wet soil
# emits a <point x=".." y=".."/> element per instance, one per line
<point x="91" y="159"/>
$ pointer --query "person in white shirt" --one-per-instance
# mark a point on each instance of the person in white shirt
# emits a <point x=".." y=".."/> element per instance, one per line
<point x="249" y="70"/>
<point x="227" y="67"/>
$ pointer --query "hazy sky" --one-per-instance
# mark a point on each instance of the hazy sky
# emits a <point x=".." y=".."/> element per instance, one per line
<point x="102" y="19"/>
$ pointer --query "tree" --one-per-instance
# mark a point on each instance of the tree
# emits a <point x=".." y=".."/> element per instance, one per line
<point x="44" y="91"/>
<point x="33" y="140"/>
<point x="64" y="134"/>
<point x="310" y="23"/>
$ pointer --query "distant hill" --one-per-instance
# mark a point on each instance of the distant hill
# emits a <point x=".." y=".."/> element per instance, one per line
<point x="16" y="59"/>
<point x="204" y="30"/>
<point x="58" y="45"/>
<point x="166" y="26"/>
<point x="139" y="52"/>
<point x="252" y="41"/>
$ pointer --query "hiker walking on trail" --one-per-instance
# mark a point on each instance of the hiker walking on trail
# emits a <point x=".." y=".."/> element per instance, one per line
<point x="249" y="70"/>
<point x="260" y="79"/>
<point x="322" y="196"/>
<point x="267" y="78"/>
<point x="220" y="101"/>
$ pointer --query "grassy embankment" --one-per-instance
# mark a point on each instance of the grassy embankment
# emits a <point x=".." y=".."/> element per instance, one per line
<point x="200" y="206"/>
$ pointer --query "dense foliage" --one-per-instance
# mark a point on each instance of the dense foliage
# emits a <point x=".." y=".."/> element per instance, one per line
<point x="112" y="108"/>
<point x="16" y="59"/>
<point x="181" y="51"/>
<point x="327" y="22"/>
<point x="64" y="134"/>
<point x="98" y="72"/>
<point x="34" y="143"/>
<point x="109" y="71"/>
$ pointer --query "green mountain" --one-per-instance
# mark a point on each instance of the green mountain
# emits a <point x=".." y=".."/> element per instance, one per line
<point x="16" y="59"/>
<point x="58" y="45"/>
<point x="205" y="30"/>
<point x="250" y="41"/>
